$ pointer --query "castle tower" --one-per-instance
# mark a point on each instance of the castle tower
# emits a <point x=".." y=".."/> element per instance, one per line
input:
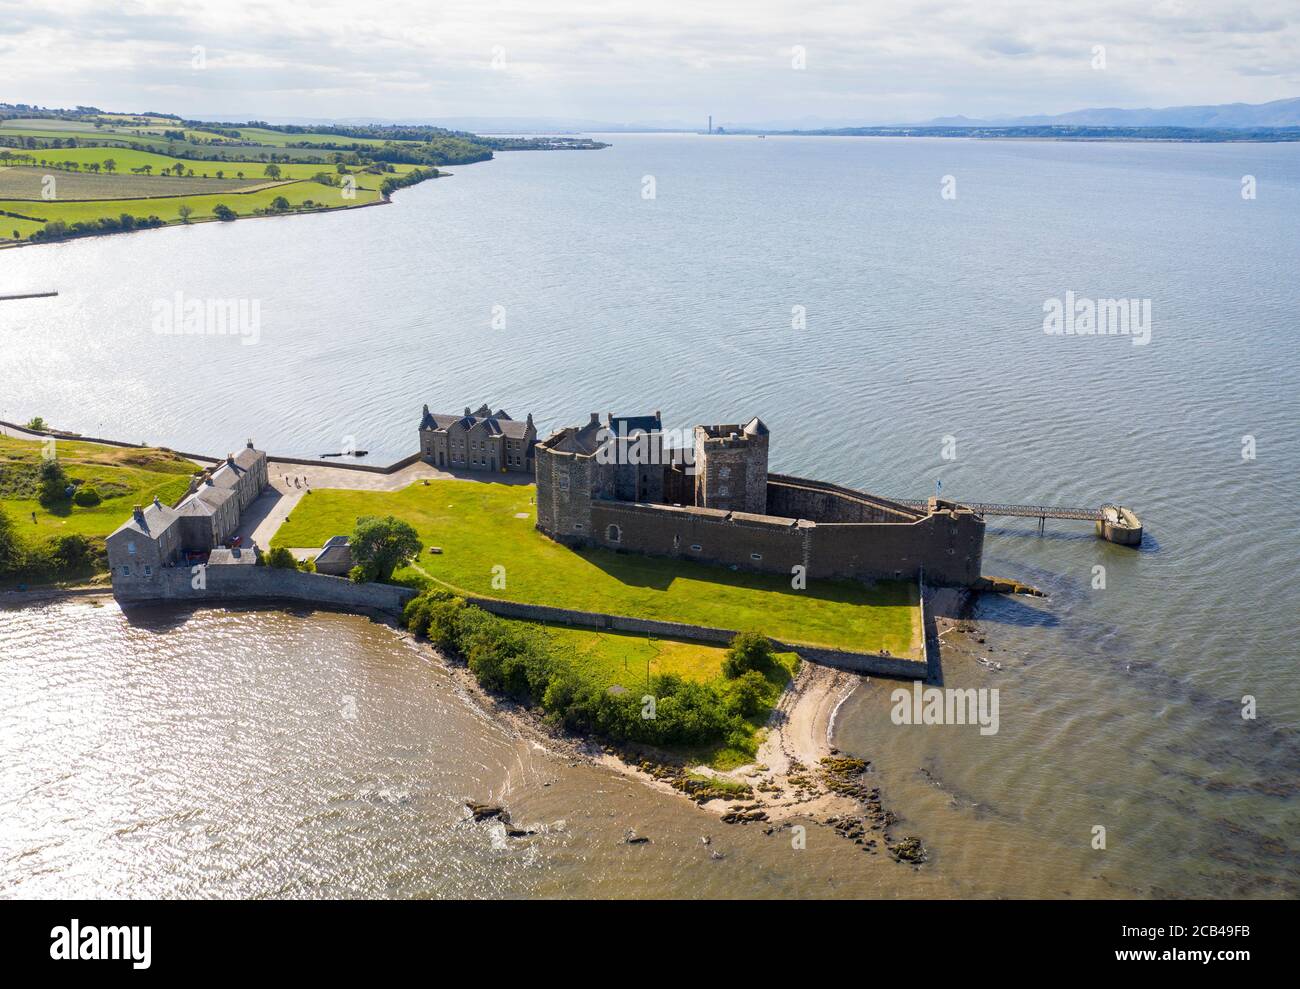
<point x="731" y="467"/>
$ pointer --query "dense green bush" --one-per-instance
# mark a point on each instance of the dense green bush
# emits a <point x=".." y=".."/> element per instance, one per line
<point x="53" y="482"/>
<point x="521" y="661"/>
<point x="281" y="559"/>
<point x="749" y="651"/>
<point x="11" y="549"/>
<point x="87" y="496"/>
<point x="748" y="693"/>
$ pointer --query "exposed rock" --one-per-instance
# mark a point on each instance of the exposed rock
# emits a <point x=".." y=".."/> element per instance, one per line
<point x="909" y="850"/>
<point x="483" y="812"/>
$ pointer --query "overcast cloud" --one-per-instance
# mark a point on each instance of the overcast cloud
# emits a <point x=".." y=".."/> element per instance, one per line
<point x="866" y="62"/>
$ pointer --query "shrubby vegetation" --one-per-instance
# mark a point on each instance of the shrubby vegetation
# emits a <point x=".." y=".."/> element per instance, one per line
<point x="394" y="182"/>
<point x="59" y="230"/>
<point x="281" y="559"/>
<point x="61" y="557"/>
<point x="521" y="661"/>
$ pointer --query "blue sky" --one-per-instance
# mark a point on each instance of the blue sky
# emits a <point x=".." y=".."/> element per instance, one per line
<point x="864" y="62"/>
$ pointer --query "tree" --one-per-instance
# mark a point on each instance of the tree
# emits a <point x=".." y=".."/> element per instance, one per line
<point x="279" y="203"/>
<point x="747" y="694"/>
<point x="381" y="545"/>
<point x="36" y="424"/>
<point x="272" y="171"/>
<point x="281" y="559"/>
<point x="11" y="550"/>
<point x="110" y="165"/>
<point x="53" y="485"/>
<point x="748" y="651"/>
<point x="223" y="212"/>
<point x="185" y="213"/>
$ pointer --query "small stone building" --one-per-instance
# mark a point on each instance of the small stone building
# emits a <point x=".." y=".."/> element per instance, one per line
<point x="335" y="557"/>
<point x="479" y="440"/>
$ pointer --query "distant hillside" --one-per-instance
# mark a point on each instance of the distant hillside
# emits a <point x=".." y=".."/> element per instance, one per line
<point x="1225" y="116"/>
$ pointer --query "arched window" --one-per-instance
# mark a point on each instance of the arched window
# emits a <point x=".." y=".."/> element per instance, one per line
<point x="614" y="534"/>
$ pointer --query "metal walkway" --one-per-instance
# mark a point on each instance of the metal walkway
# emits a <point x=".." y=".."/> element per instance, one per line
<point x="1019" y="511"/>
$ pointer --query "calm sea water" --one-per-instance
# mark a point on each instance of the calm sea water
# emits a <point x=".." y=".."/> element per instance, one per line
<point x="1120" y="706"/>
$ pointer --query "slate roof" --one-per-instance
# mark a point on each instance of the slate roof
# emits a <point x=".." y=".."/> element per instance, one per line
<point x="626" y="425"/>
<point x="157" y="519"/>
<point x="206" y="500"/>
<point x="336" y="550"/>
<point x="246" y="556"/>
<point x="498" y="423"/>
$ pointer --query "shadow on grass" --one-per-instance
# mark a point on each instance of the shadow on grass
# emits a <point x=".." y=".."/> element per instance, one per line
<point x="658" y="573"/>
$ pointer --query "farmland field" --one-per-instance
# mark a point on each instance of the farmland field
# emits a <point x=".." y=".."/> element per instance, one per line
<point x="168" y="210"/>
<point x="111" y="171"/>
<point x="30" y="183"/>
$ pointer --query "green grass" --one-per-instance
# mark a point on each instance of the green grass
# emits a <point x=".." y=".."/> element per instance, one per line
<point x="243" y="203"/>
<point x="619" y="659"/>
<point x="478" y="526"/>
<point x="125" y="477"/>
<point x="29" y="183"/>
<point x="129" y="158"/>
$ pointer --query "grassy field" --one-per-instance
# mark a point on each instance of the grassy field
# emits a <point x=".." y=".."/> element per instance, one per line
<point x="123" y="476"/>
<point x="480" y="526"/>
<point x="110" y="179"/>
<point x="615" y="659"/>
<point x="29" y="183"/>
<point x="244" y="204"/>
<point x="129" y="158"/>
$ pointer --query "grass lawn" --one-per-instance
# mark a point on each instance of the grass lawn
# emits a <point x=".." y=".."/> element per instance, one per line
<point x="619" y="659"/>
<point x="124" y="477"/>
<point x="482" y="525"/>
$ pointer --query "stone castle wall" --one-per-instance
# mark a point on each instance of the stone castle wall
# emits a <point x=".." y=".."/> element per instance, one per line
<point x="946" y="548"/>
<point x="819" y="501"/>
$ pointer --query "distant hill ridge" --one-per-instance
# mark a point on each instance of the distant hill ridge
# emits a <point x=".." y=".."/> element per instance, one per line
<point x="1278" y="113"/>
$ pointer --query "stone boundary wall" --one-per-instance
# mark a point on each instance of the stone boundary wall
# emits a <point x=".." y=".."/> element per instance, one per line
<point x="265" y="584"/>
<point x="845" y="659"/>
<point x="392" y="468"/>
<point x="231" y="582"/>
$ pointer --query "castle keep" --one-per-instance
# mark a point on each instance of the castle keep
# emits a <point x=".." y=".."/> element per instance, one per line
<point x="617" y="485"/>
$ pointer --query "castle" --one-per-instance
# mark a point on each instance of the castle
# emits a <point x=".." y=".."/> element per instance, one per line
<point x="618" y="485"/>
<point x="481" y="440"/>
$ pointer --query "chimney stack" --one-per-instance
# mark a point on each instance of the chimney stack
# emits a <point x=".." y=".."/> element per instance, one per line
<point x="467" y="412"/>
<point x="595" y="419"/>
<point x="250" y="442"/>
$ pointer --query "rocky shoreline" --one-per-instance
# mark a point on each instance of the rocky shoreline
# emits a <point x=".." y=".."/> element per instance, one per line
<point x="798" y="778"/>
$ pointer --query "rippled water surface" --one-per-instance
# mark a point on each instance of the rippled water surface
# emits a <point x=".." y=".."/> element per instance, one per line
<point x="205" y="754"/>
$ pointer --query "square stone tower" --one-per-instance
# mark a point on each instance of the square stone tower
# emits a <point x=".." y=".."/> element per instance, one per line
<point x="731" y="467"/>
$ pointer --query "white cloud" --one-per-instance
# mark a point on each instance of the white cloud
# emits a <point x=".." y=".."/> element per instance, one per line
<point x="619" y="60"/>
